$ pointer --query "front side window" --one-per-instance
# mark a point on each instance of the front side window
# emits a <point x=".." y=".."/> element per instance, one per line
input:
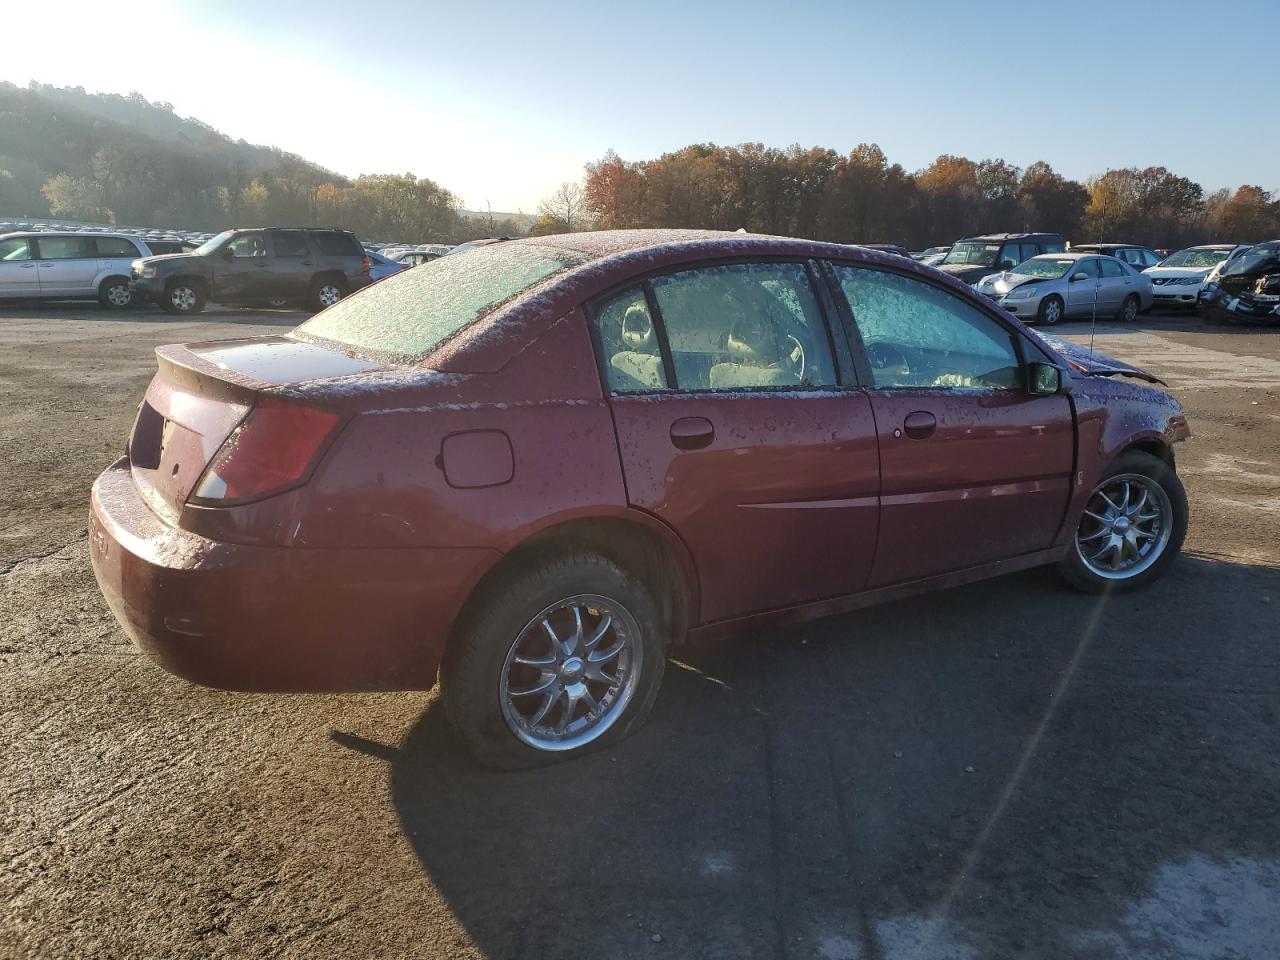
<point x="14" y="249"/>
<point x="248" y="245"/>
<point x="629" y="344"/>
<point x="1088" y="267"/>
<point x="66" y="248"/>
<point x="745" y="325"/>
<point x="289" y="243"/>
<point x="1111" y="268"/>
<point x="916" y="335"/>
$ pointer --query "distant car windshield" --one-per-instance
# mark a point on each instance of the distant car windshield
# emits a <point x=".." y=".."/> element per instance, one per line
<point x="1196" y="259"/>
<point x="211" y="245"/>
<point x="1046" y="269"/>
<point x="973" y="254"/>
<point x="1252" y="258"/>
<point x="406" y="316"/>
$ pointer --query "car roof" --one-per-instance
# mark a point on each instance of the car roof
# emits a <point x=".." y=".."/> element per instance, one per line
<point x="992" y="237"/>
<point x="1106" y="246"/>
<point x="67" y="233"/>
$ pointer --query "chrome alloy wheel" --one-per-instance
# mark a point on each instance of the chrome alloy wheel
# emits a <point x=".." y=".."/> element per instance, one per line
<point x="1125" y="527"/>
<point x="119" y="295"/>
<point x="184" y="298"/>
<point x="571" y="672"/>
<point x="329" y="294"/>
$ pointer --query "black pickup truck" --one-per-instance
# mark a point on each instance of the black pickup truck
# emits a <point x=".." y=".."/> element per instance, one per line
<point x="274" y="266"/>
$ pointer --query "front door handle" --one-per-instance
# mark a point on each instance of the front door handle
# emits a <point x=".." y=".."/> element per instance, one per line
<point x="692" y="433"/>
<point x="261" y="266"/>
<point x="920" y="424"/>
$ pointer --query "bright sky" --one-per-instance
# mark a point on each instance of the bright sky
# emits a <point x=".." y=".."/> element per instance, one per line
<point x="502" y="100"/>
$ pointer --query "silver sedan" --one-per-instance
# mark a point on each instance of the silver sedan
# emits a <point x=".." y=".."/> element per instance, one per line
<point x="1052" y="286"/>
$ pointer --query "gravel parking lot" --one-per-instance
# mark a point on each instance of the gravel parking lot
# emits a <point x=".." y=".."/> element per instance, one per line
<point x="1007" y="769"/>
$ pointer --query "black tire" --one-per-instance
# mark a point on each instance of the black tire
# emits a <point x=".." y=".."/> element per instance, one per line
<point x="472" y="672"/>
<point x="184" y="297"/>
<point x="325" y="292"/>
<point x="1046" y="314"/>
<point x="114" y="293"/>
<point x="1130" y="309"/>
<point x="1133" y="462"/>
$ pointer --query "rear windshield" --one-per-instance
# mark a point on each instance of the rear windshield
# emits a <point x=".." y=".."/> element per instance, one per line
<point x="408" y="315"/>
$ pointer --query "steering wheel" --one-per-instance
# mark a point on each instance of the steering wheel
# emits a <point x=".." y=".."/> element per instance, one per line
<point x="795" y="356"/>
<point x="884" y="356"/>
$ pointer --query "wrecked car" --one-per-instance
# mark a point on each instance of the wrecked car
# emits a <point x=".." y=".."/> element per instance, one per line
<point x="1247" y="291"/>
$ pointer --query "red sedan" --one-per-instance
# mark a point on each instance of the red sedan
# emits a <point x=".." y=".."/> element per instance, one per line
<point x="528" y="468"/>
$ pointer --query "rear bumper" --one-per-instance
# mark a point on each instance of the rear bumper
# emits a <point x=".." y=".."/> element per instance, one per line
<point x="274" y="618"/>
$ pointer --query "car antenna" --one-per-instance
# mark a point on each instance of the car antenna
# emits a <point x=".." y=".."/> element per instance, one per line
<point x="1093" y="322"/>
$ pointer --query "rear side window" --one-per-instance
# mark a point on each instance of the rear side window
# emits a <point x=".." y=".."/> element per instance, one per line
<point x="746" y="325"/>
<point x="115" y="247"/>
<point x="1111" y="268"/>
<point x="406" y="316"/>
<point x="916" y="335"/>
<point x="289" y="243"/>
<point x="629" y="344"/>
<point x="334" y="244"/>
<point x="14" y="249"/>
<point x="66" y="248"/>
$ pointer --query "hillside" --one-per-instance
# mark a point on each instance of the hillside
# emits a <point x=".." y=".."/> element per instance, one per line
<point x="107" y="158"/>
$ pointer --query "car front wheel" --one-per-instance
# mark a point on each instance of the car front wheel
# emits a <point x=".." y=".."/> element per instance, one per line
<point x="1131" y="529"/>
<point x="558" y="659"/>
<point x="1050" y="310"/>
<point x="183" y="297"/>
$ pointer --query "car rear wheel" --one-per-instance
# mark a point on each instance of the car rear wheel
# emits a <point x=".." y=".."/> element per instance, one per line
<point x="1129" y="309"/>
<point x="561" y="657"/>
<point x="1050" y="310"/>
<point x="325" y="293"/>
<point x="1131" y="529"/>
<point x="114" y="293"/>
<point x="183" y="297"/>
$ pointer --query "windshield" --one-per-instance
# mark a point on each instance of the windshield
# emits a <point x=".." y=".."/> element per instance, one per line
<point x="1047" y="269"/>
<point x="406" y="316"/>
<point x="1251" y="259"/>
<point x="209" y="246"/>
<point x="1197" y="259"/>
<point x="973" y="254"/>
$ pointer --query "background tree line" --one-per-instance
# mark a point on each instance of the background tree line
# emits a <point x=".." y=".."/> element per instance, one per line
<point x="862" y="198"/>
<point x="104" y="158"/>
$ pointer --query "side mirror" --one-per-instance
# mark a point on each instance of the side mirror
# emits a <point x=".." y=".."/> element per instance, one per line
<point x="1079" y="276"/>
<point x="1044" y="380"/>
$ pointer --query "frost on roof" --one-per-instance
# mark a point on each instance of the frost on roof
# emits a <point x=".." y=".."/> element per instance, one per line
<point x="405" y="316"/>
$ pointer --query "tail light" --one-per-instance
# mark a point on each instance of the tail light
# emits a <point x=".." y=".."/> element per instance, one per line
<point x="273" y="449"/>
<point x="366" y="265"/>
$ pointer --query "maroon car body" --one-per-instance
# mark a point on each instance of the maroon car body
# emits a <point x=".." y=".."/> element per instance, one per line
<point x="423" y="480"/>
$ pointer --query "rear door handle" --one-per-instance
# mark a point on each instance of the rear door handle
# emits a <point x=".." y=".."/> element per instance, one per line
<point x="692" y="433"/>
<point x="920" y="424"/>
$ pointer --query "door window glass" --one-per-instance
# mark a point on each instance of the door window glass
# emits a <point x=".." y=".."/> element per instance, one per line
<point x="745" y="325"/>
<point x="248" y="245"/>
<point x="14" y="249"/>
<point x="1110" y="268"/>
<point x="289" y="243"/>
<point x="1030" y="250"/>
<point x="335" y="244"/>
<point x="1052" y="246"/>
<point x="115" y="247"/>
<point x="631" y="355"/>
<point x="919" y="336"/>
<point x="1088" y="267"/>
<point x="66" y="248"/>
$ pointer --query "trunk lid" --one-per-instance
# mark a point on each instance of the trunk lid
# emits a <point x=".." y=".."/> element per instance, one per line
<point x="201" y="392"/>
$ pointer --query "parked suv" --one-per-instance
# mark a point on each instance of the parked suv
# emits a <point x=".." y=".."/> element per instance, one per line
<point x="276" y="266"/>
<point x="973" y="258"/>
<point x="69" y="266"/>
<point x="1140" y="258"/>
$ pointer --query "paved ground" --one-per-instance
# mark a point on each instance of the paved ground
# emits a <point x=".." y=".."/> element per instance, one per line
<point x="1009" y="769"/>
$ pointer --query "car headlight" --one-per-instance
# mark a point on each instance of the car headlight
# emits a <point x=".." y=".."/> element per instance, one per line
<point x="1021" y="293"/>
